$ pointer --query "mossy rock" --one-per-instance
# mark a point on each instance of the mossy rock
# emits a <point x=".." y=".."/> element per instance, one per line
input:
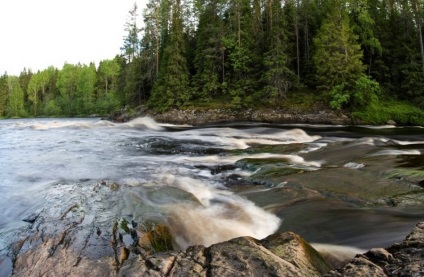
<point x="294" y="249"/>
<point x="413" y="198"/>
<point x="408" y="174"/>
<point x="273" y="175"/>
<point x="155" y="238"/>
<point x="253" y="164"/>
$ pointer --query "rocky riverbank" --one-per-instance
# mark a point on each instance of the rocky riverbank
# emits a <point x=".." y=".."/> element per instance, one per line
<point x="318" y="114"/>
<point x="77" y="235"/>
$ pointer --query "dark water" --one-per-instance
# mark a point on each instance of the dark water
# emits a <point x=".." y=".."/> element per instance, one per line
<point x="164" y="169"/>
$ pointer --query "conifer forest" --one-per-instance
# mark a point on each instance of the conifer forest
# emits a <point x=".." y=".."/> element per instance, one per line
<point x="362" y="56"/>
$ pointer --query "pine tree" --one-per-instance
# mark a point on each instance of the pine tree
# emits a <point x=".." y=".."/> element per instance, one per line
<point x="171" y="88"/>
<point x="243" y="59"/>
<point x="131" y="48"/>
<point x="24" y="79"/>
<point x="338" y="62"/>
<point x="277" y="76"/>
<point x="209" y="54"/>
<point x="338" y="56"/>
<point x="151" y="41"/>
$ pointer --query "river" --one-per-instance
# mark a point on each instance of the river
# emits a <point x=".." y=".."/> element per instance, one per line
<point x="346" y="185"/>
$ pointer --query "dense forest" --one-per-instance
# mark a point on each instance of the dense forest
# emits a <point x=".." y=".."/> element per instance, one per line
<point x="350" y="54"/>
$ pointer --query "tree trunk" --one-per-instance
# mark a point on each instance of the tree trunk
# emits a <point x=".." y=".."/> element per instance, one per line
<point x="421" y="45"/>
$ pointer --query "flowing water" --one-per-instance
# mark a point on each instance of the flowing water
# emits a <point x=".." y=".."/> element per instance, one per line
<point x="189" y="178"/>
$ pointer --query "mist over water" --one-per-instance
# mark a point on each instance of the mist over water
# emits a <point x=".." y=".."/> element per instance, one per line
<point x="168" y="173"/>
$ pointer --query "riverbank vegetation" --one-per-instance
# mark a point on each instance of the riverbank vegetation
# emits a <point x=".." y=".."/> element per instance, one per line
<point x="365" y="57"/>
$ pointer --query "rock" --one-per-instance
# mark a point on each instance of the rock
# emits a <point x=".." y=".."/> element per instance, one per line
<point x="283" y="254"/>
<point x="279" y="255"/>
<point x="156" y="239"/>
<point x="294" y="249"/>
<point x="71" y="238"/>
<point x="114" y="186"/>
<point x="401" y="259"/>
<point x="123" y="255"/>
<point x="391" y="122"/>
<point x="316" y="115"/>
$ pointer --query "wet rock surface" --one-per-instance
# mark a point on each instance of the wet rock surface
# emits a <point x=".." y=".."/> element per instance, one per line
<point x="279" y="255"/>
<point x="401" y="259"/>
<point x="75" y="233"/>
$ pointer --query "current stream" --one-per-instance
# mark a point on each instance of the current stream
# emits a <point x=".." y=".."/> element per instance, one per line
<point x="185" y="176"/>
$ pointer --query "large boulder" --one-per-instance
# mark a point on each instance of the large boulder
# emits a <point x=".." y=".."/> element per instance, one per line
<point x="285" y="254"/>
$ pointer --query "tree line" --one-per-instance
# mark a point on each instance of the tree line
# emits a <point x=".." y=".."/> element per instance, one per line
<point x="73" y="90"/>
<point x="350" y="53"/>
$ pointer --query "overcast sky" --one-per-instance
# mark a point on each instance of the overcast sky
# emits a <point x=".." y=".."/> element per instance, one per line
<point x="38" y="33"/>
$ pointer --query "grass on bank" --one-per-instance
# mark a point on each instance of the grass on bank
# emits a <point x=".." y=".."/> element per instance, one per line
<point x="381" y="112"/>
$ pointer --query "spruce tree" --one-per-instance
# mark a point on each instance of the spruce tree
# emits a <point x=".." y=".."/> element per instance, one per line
<point x="171" y="88"/>
<point x="242" y="72"/>
<point x="209" y="53"/>
<point x="338" y="55"/>
<point x="278" y="76"/>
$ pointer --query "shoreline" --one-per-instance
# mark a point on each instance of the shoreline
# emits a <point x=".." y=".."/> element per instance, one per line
<point x="196" y="117"/>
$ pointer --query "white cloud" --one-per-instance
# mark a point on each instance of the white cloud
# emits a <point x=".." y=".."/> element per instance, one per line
<point x="37" y="34"/>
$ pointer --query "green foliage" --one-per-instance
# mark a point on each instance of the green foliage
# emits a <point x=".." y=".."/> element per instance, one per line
<point x="243" y="53"/>
<point x="209" y="53"/>
<point x="4" y="91"/>
<point x="52" y="109"/>
<point x="171" y="89"/>
<point x="37" y="88"/>
<point x="67" y="84"/>
<point x="362" y="93"/>
<point x="365" y="92"/>
<point x="338" y="56"/>
<point x="15" y="107"/>
<point x="338" y="96"/>
<point x="85" y="86"/>
<point x="155" y="237"/>
<point x="131" y="40"/>
<point x="402" y="113"/>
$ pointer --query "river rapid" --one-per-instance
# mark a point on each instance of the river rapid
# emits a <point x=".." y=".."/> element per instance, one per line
<point x="342" y="187"/>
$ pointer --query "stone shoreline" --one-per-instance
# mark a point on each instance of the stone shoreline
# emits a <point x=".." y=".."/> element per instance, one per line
<point x="315" y="115"/>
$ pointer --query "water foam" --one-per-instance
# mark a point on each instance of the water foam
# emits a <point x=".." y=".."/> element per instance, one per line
<point x="144" y="123"/>
<point x="59" y="124"/>
<point x="215" y="160"/>
<point x="221" y="215"/>
<point x="242" y="140"/>
<point x="396" y="152"/>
